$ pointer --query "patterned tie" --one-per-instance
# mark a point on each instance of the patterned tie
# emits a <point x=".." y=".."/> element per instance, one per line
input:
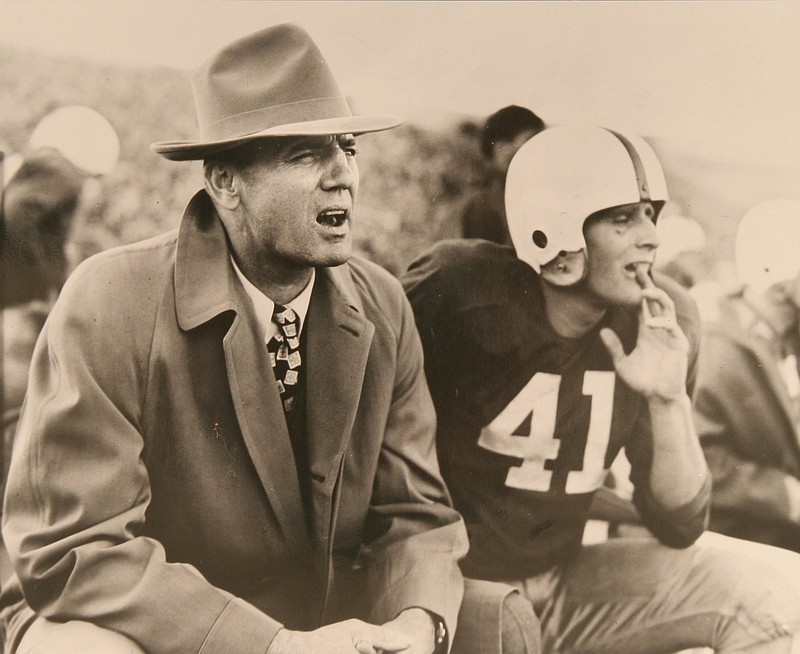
<point x="284" y="352"/>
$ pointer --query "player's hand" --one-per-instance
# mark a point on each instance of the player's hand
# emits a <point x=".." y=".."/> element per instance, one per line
<point x="348" y="637"/>
<point x="657" y="366"/>
<point x="417" y="625"/>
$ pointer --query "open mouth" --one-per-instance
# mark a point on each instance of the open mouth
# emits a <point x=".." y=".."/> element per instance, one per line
<point x="333" y="217"/>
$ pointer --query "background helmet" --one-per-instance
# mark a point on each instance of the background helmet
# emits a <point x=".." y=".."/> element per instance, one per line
<point x="565" y="174"/>
<point x="82" y="135"/>
<point x="768" y="244"/>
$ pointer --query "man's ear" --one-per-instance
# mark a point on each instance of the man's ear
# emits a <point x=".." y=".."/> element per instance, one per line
<point x="566" y="269"/>
<point x="221" y="185"/>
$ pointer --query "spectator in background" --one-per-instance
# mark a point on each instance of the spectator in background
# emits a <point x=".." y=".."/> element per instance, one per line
<point x="747" y="404"/>
<point x="39" y="206"/>
<point x="45" y="186"/>
<point x="483" y="215"/>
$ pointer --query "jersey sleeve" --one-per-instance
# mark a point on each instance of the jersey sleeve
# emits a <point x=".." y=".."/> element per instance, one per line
<point x="678" y="527"/>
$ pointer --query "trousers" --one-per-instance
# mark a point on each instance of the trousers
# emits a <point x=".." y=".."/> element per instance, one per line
<point x="637" y="596"/>
<point x="626" y="596"/>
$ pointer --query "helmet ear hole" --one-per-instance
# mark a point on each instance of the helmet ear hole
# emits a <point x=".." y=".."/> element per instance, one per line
<point x="539" y="239"/>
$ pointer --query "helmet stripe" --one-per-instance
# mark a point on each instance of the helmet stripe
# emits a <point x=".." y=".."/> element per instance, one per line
<point x="638" y="166"/>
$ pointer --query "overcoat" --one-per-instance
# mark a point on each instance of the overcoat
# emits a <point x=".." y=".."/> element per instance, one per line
<point x="153" y="487"/>
<point x="748" y="432"/>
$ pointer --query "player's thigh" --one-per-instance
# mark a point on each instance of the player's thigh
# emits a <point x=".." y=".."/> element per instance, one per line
<point x="712" y="594"/>
<point x="74" y="637"/>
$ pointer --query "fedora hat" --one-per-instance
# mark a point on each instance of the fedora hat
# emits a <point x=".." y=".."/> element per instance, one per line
<point x="274" y="82"/>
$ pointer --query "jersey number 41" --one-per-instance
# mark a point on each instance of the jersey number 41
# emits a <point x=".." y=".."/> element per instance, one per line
<point x="526" y="429"/>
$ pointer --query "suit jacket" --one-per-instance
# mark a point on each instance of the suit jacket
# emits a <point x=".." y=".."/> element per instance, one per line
<point x="153" y="488"/>
<point x="744" y="419"/>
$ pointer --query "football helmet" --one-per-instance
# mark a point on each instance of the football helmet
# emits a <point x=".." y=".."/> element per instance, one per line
<point x="768" y="243"/>
<point x="82" y="135"/>
<point x="565" y="174"/>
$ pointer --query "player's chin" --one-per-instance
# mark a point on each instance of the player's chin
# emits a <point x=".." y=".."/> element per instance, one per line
<point x="624" y="296"/>
<point x="619" y="292"/>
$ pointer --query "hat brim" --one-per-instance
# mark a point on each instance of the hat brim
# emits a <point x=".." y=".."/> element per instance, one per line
<point x="192" y="150"/>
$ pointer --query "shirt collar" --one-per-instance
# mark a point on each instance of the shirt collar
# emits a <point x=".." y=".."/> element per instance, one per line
<point x="264" y="307"/>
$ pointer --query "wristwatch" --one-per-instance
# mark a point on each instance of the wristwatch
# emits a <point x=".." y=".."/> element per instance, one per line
<point x="440" y="636"/>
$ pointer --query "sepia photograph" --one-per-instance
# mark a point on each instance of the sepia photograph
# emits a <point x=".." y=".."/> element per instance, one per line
<point x="424" y="327"/>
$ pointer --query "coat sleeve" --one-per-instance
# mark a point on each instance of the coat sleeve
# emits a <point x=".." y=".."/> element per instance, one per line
<point x="727" y="384"/>
<point x="78" y="490"/>
<point x="415" y="537"/>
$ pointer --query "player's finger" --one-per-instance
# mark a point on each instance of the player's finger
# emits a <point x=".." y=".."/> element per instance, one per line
<point x="657" y="296"/>
<point x="643" y="277"/>
<point x="613" y="344"/>
<point x="661" y="322"/>
<point x="645" y="282"/>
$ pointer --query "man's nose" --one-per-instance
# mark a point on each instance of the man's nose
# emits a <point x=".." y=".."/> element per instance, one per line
<point x="340" y="171"/>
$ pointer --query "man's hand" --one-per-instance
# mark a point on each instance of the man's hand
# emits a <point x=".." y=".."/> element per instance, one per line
<point x="348" y="637"/>
<point x="657" y="366"/>
<point x="417" y="625"/>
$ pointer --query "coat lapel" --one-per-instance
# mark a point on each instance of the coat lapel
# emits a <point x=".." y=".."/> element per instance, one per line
<point x="339" y="339"/>
<point x="206" y="285"/>
<point x="263" y="426"/>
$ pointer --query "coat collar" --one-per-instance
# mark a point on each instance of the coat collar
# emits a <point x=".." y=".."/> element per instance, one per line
<point x="204" y="277"/>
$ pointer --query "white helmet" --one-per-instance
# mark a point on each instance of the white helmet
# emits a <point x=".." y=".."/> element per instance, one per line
<point x="565" y="174"/>
<point x="82" y="135"/>
<point x="768" y="244"/>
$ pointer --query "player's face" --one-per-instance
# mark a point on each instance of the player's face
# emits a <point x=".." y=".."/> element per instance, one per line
<point x="297" y="199"/>
<point x="617" y="241"/>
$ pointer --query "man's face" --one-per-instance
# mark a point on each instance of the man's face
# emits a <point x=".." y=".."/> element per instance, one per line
<point x="617" y="241"/>
<point x="297" y="197"/>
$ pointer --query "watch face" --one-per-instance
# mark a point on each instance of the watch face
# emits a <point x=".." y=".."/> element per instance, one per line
<point x="441" y="637"/>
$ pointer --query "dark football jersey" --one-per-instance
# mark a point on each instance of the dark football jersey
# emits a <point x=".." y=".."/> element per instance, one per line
<point x="529" y="422"/>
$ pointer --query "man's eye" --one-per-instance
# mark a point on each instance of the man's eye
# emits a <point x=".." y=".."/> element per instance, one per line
<point x="350" y="151"/>
<point x="306" y="155"/>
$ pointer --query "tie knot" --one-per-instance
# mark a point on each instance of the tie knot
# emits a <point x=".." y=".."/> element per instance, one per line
<point x="285" y="317"/>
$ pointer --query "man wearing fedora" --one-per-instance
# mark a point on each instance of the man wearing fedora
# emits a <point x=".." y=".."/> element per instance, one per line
<point x="228" y="442"/>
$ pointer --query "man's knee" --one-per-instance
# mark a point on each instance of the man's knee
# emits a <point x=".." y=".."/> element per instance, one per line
<point x="74" y="637"/>
<point x="495" y="619"/>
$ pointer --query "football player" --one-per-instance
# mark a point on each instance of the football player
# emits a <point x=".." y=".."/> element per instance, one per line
<point x="545" y="364"/>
